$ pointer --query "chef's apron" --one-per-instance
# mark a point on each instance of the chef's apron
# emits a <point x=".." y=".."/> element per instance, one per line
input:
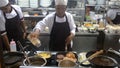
<point x="60" y="31"/>
<point x="117" y="18"/>
<point x="13" y="28"/>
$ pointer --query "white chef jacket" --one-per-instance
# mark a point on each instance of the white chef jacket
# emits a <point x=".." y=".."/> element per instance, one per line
<point x="49" y="20"/>
<point x="9" y="15"/>
<point x="111" y="13"/>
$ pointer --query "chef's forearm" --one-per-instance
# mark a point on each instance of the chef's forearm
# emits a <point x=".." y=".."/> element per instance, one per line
<point x="109" y="20"/>
<point x="23" y="26"/>
<point x="6" y="41"/>
<point x="72" y="35"/>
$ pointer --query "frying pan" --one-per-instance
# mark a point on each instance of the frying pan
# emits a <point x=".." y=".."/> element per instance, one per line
<point x="12" y="57"/>
<point x="114" y="56"/>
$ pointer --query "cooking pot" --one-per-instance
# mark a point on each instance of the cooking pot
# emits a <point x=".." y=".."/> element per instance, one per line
<point x="105" y="56"/>
<point x="35" y="61"/>
<point x="103" y="62"/>
<point x="67" y="63"/>
<point x="13" y="57"/>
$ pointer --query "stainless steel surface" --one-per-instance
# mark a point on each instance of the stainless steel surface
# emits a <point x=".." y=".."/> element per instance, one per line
<point x="50" y="67"/>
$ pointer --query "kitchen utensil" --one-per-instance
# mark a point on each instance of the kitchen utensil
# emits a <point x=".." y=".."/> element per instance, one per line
<point x="35" y="61"/>
<point x="102" y="61"/>
<point x="12" y="57"/>
<point x="66" y="63"/>
<point x="110" y="54"/>
<point x="26" y="56"/>
<point x="92" y="56"/>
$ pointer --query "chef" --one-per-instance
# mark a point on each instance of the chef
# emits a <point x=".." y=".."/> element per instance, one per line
<point x="113" y="15"/>
<point x="61" y="26"/>
<point x="11" y="22"/>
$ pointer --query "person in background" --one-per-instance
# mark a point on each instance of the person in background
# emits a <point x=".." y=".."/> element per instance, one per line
<point x="61" y="26"/>
<point x="113" y="15"/>
<point x="87" y="14"/>
<point x="11" y="23"/>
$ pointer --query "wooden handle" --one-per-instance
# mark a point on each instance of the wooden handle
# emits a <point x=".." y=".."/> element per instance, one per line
<point x="95" y="54"/>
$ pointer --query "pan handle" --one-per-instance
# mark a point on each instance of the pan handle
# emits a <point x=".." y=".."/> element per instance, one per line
<point x="93" y="55"/>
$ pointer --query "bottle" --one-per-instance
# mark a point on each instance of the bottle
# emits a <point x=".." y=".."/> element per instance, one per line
<point x="12" y="45"/>
<point x="101" y="23"/>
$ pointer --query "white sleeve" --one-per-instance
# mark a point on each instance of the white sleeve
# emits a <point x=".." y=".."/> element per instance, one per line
<point x="71" y="24"/>
<point x="2" y="22"/>
<point x="111" y="14"/>
<point x="42" y="24"/>
<point x="18" y="9"/>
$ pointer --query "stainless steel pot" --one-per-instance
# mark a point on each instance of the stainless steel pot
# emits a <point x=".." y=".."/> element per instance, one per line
<point x="35" y="61"/>
<point x="103" y="62"/>
<point x="67" y="63"/>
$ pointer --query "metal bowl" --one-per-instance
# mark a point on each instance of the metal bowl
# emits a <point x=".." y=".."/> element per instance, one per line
<point x="66" y="63"/>
<point x="35" y="61"/>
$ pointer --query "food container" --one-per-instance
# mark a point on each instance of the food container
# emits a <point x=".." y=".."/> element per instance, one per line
<point x="81" y="57"/>
<point x="44" y="54"/>
<point x="35" y="61"/>
<point x="66" y="56"/>
<point x="67" y="63"/>
<point x="103" y="62"/>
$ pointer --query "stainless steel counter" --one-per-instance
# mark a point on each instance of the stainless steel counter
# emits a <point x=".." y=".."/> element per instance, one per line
<point x="112" y="40"/>
<point x="83" y="41"/>
<point x="50" y="67"/>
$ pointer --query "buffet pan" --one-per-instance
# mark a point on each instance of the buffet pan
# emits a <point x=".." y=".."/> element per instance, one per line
<point x="66" y="59"/>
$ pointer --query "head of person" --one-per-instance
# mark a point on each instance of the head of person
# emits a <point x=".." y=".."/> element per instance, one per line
<point x="60" y="6"/>
<point x="5" y="6"/>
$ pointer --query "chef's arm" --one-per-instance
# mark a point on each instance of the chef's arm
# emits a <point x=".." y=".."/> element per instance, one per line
<point x="23" y="28"/>
<point x="5" y="40"/>
<point x="109" y="21"/>
<point x="69" y="38"/>
<point x="37" y="32"/>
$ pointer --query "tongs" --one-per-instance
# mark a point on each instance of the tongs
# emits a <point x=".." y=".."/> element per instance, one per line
<point x="22" y="48"/>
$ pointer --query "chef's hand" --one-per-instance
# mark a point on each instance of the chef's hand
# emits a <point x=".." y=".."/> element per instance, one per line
<point x="34" y="34"/>
<point x="69" y="39"/>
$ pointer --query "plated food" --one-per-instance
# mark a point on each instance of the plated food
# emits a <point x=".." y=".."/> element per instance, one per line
<point x="66" y="56"/>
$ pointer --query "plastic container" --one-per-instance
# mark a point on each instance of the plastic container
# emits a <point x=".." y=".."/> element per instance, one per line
<point x="13" y="45"/>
